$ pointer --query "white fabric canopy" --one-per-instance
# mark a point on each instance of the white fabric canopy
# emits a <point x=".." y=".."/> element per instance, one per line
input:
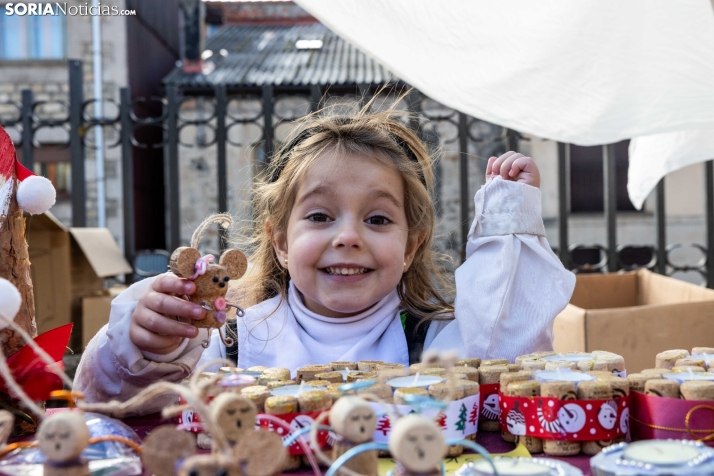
<point x="653" y="157"/>
<point x="587" y="72"/>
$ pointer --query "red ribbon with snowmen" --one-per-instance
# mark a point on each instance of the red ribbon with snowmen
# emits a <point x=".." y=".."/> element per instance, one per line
<point x="567" y="420"/>
<point x="489" y="401"/>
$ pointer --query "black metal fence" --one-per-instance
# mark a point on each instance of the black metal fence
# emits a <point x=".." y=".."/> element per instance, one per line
<point x="431" y="121"/>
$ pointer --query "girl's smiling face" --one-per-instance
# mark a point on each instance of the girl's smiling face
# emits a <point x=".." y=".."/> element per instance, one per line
<point x="347" y="238"/>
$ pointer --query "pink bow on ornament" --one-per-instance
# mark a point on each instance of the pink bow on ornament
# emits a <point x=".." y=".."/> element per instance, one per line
<point x="201" y="266"/>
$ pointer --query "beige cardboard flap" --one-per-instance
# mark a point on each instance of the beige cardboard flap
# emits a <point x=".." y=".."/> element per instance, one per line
<point x="640" y="333"/>
<point x="637" y="315"/>
<point x="654" y="288"/>
<point x="45" y="221"/>
<point x="101" y="250"/>
<point x="605" y="291"/>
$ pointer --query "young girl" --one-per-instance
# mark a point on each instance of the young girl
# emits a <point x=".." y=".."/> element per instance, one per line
<point x="343" y="269"/>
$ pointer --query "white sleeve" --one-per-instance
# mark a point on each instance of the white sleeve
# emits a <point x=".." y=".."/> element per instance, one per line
<point x="216" y="350"/>
<point x="113" y="368"/>
<point x="512" y="285"/>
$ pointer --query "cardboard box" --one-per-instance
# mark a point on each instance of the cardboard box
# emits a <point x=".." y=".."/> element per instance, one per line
<point x="68" y="264"/>
<point x="95" y="312"/>
<point x="637" y="315"/>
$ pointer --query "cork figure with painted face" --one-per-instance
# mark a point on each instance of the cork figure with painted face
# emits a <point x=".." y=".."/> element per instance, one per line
<point x="354" y="421"/>
<point x="417" y="444"/>
<point x="211" y="280"/>
<point x="234" y="415"/>
<point x="62" y="438"/>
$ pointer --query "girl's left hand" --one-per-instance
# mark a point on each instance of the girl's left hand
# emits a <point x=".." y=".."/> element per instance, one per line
<point x="516" y="167"/>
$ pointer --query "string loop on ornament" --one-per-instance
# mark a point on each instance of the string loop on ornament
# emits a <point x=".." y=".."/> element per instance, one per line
<point x="692" y="431"/>
<point x="227" y="341"/>
<point x="207" y="341"/>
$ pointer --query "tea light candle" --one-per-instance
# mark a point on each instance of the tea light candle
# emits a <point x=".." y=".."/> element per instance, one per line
<point x="707" y="358"/>
<point x="568" y="357"/>
<point x="293" y="390"/>
<point x="236" y="380"/>
<point x="660" y="452"/>
<point x="345" y="373"/>
<point x="687" y="376"/>
<point x="250" y="373"/>
<point x="510" y="467"/>
<point x="564" y="375"/>
<point x="415" y="381"/>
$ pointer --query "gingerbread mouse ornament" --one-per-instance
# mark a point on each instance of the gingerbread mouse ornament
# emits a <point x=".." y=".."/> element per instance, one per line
<point x="211" y="279"/>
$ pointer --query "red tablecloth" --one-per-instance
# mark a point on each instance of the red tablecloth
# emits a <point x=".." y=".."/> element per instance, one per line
<point x="491" y="441"/>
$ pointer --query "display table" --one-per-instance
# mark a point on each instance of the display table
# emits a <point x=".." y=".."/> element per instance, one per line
<point x="491" y="441"/>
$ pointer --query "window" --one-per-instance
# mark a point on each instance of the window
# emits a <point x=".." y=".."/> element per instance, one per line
<point x="52" y="161"/>
<point x="586" y="178"/>
<point x="24" y="37"/>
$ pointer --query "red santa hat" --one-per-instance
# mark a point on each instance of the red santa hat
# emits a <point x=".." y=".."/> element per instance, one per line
<point x="35" y="194"/>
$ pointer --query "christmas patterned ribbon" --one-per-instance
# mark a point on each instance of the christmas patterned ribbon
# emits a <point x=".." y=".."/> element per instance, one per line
<point x="566" y="420"/>
<point x="296" y="421"/>
<point x="490" y="410"/>
<point x="457" y="421"/>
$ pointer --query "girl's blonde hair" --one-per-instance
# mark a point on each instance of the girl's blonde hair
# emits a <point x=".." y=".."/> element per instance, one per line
<point x="383" y="136"/>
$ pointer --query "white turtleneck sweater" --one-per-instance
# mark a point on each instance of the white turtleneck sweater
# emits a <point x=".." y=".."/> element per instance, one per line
<point x="508" y="291"/>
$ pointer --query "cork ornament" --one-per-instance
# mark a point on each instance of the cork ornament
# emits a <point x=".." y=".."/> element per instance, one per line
<point x="234" y="415"/>
<point x="354" y="420"/>
<point x="353" y="423"/>
<point x="237" y="448"/>
<point x="164" y="448"/>
<point x="417" y="445"/>
<point x="62" y="438"/>
<point x="211" y="279"/>
<point x="260" y="455"/>
<point x="209" y="465"/>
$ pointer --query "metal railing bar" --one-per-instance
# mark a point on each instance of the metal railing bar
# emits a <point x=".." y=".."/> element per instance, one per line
<point x="79" y="187"/>
<point x="172" y="168"/>
<point x="127" y="174"/>
<point x="563" y="202"/>
<point x="464" y="183"/>
<point x="661" y="225"/>
<point x="610" y="204"/>
<point x="709" y="220"/>
<point x="27" y="129"/>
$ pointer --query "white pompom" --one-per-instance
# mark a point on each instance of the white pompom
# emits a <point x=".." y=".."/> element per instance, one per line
<point x="36" y="195"/>
<point x="10" y="301"/>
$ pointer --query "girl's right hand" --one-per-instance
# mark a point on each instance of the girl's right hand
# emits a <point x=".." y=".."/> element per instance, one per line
<point x="153" y="328"/>
<point x="516" y="167"/>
